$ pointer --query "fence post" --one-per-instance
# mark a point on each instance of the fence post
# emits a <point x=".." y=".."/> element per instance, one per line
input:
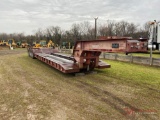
<point x="131" y="59"/>
<point x="116" y="56"/>
<point x="151" y="61"/>
<point x="104" y="55"/>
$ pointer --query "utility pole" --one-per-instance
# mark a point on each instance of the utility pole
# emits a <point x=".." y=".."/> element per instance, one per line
<point x="96" y="27"/>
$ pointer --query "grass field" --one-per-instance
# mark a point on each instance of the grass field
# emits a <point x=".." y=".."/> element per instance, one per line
<point x="154" y="55"/>
<point x="33" y="90"/>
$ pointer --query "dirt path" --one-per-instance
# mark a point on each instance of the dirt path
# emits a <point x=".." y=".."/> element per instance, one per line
<point x="32" y="90"/>
<point x="6" y="51"/>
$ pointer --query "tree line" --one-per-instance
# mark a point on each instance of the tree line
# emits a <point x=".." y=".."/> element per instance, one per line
<point x="82" y="31"/>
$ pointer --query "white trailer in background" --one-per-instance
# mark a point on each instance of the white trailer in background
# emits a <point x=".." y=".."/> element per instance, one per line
<point x="154" y="35"/>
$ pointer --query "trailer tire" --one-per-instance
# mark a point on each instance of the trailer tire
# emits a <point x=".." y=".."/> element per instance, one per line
<point x="30" y="53"/>
<point x="92" y="65"/>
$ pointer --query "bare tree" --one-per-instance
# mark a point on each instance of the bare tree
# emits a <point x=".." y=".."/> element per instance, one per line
<point x="131" y="28"/>
<point x="57" y="34"/>
<point x="123" y="27"/>
<point x="110" y="27"/>
<point x="107" y="29"/>
<point x="39" y="34"/>
<point x="3" y="36"/>
<point x="76" y="31"/>
<point x="81" y="31"/>
<point x="102" y="31"/>
<point x="84" y="28"/>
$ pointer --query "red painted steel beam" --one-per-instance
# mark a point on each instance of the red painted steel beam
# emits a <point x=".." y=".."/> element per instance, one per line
<point x="61" y="64"/>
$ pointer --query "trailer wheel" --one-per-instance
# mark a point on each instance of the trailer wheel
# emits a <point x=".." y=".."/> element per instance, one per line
<point x="92" y="65"/>
<point x="30" y="53"/>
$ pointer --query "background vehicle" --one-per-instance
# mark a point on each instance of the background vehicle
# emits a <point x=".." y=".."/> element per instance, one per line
<point x="42" y="43"/>
<point x="50" y="44"/>
<point x="22" y="44"/>
<point x="154" y="35"/>
<point x="11" y="43"/>
<point x="3" y="43"/>
<point x="66" y="45"/>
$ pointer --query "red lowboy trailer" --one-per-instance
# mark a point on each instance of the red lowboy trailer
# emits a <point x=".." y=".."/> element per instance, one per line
<point x="86" y="53"/>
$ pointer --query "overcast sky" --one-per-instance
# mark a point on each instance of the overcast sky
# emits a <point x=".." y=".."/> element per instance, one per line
<point x="29" y="15"/>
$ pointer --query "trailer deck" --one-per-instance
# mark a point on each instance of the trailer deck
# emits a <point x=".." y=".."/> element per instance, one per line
<point x="61" y="64"/>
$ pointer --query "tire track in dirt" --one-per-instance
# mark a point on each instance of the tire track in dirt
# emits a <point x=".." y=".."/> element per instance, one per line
<point x="111" y="100"/>
<point x="23" y="84"/>
<point x="12" y="52"/>
<point x="115" y="102"/>
<point x="48" y="92"/>
<point x="58" y="95"/>
<point x="56" y="109"/>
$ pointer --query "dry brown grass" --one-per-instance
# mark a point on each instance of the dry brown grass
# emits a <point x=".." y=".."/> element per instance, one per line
<point x="33" y="90"/>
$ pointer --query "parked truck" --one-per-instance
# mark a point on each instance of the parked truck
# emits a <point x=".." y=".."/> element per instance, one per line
<point x="154" y="35"/>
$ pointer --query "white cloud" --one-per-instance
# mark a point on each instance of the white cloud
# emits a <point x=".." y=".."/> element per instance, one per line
<point x="27" y="15"/>
<point x="31" y="1"/>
